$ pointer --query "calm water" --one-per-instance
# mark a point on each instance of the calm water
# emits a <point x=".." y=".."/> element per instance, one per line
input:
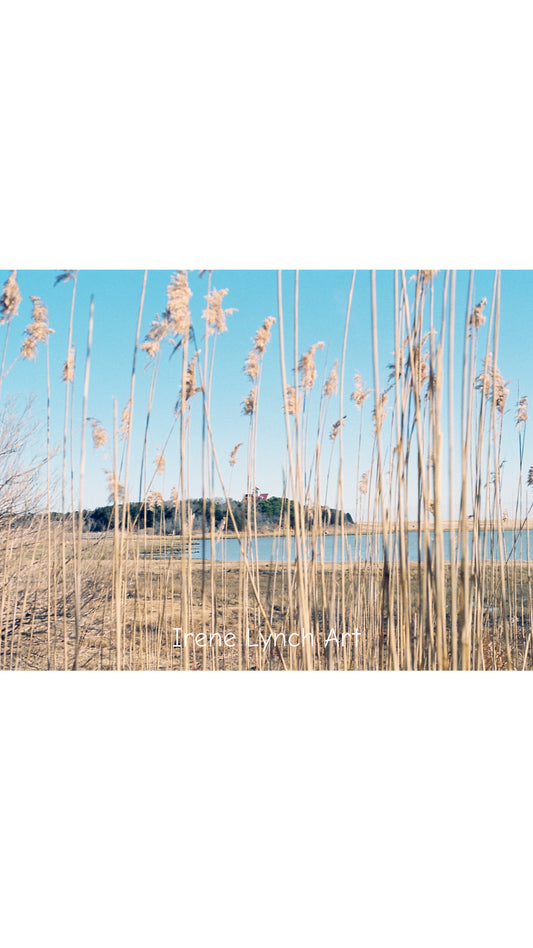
<point x="267" y="549"/>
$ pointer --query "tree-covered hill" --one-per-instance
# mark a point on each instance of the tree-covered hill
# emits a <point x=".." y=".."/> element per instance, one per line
<point x="165" y="518"/>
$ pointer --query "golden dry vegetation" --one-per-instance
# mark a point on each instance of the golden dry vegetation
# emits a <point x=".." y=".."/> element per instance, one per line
<point x="72" y="600"/>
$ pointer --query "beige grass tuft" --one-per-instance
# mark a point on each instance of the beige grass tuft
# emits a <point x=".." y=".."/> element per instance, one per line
<point x="10" y="298"/>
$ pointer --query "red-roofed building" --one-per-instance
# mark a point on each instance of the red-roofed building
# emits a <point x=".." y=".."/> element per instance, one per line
<point x="256" y="494"/>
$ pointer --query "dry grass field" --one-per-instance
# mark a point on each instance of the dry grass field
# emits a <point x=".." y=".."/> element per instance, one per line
<point x="75" y="600"/>
<point x="230" y="629"/>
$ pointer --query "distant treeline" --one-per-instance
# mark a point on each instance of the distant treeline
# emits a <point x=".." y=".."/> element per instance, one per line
<point x="165" y="518"/>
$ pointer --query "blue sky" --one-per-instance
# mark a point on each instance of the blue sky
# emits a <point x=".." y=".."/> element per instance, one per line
<point x="253" y="293"/>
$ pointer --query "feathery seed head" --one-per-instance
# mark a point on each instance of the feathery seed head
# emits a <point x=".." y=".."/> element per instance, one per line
<point x="418" y="365"/>
<point x="157" y="332"/>
<point x="177" y="311"/>
<point x="307" y="367"/>
<point x="154" y="499"/>
<point x="500" y="393"/>
<point x="293" y="402"/>
<point x="491" y="377"/>
<point x="426" y="276"/>
<point x="521" y="415"/>
<point x="125" y="425"/>
<point x="10" y="298"/>
<point x="213" y="314"/>
<point x="360" y="393"/>
<point x="115" y="488"/>
<point x="39" y="328"/>
<point x="233" y="458"/>
<point x="251" y="366"/>
<point x="249" y="403"/>
<point x="262" y="336"/>
<point x="476" y="317"/>
<point x="37" y="331"/>
<point x="100" y="436"/>
<point x="380" y="411"/>
<point x="484" y="379"/>
<point x="190" y="387"/>
<point x="28" y="350"/>
<point x="160" y="463"/>
<point x="330" y="386"/>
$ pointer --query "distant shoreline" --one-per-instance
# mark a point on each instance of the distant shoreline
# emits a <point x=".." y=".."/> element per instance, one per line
<point x="352" y="529"/>
<point x="454" y="525"/>
<point x="356" y="529"/>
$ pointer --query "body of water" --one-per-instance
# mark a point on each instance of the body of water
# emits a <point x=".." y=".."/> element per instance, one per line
<point x="365" y="547"/>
